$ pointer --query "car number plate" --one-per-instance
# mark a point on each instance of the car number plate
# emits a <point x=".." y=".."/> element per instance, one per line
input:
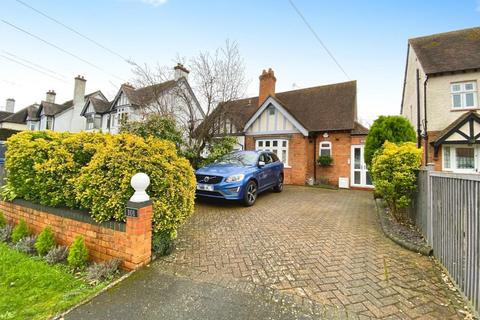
<point x="204" y="187"/>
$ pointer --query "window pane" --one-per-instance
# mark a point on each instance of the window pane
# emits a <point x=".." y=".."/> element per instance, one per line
<point x="267" y="143"/>
<point x="325" y="152"/>
<point x="356" y="177"/>
<point x="356" y="156"/>
<point x="325" y="145"/>
<point x="284" y="156"/>
<point x="469" y="102"/>
<point x="284" y="143"/>
<point x="468" y="86"/>
<point x="260" y="143"/>
<point x="455" y="87"/>
<point x="446" y="157"/>
<point x="369" y="179"/>
<point x="457" y="101"/>
<point x="275" y="143"/>
<point x="465" y="158"/>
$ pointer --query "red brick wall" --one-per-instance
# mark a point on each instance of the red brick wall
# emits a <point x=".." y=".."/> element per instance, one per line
<point x="132" y="246"/>
<point x="437" y="161"/>
<point x="296" y="173"/>
<point x="341" y="154"/>
<point x="302" y="159"/>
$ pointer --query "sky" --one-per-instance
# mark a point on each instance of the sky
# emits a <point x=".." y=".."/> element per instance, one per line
<point x="368" y="39"/>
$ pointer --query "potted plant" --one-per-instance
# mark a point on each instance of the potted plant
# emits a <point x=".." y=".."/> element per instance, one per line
<point x="325" y="160"/>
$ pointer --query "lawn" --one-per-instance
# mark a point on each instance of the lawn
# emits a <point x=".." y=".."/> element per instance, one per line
<point x="32" y="289"/>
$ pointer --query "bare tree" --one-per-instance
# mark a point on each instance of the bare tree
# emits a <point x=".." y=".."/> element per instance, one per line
<point x="217" y="77"/>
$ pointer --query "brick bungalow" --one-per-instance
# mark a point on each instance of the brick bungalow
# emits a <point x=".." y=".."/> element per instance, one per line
<point x="299" y="126"/>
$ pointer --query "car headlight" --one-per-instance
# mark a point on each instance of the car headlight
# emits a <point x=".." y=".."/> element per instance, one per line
<point x="235" y="178"/>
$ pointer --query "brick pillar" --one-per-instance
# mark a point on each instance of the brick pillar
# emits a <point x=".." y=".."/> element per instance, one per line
<point x="139" y="233"/>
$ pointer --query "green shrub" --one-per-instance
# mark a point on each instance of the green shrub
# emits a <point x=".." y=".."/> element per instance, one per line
<point x="20" y="231"/>
<point x="45" y="241"/>
<point x="92" y="171"/>
<point x="387" y="128"/>
<point x="3" y="220"/>
<point x="324" y="160"/>
<point x="163" y="243"/>
<point x="103" y="186"/>
<point x="78" y="254"/>
<point x="394" y="173"/>
<point x="155" y="126"/>
<point x="217" y="148"/>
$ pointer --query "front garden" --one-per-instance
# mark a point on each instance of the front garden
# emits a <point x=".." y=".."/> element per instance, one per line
<point x="39" y="279"/>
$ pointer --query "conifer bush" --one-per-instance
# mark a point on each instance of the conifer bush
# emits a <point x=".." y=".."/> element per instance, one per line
<point x="78" y="254"/>
<point x="3" y="220"/>
<point x="20" y="231"/>
<point x="45" y="241"/>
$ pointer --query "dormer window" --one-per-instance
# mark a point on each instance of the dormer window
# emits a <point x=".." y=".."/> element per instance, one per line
<point x="464" y="95"/>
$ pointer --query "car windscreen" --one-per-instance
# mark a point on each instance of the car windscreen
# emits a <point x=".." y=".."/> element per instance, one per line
<point x="239" y="159"/>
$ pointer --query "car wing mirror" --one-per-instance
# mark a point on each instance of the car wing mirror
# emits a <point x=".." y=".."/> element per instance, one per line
<point x="261" y="164"/>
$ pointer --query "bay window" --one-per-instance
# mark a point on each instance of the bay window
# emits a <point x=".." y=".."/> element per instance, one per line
<point x="464" y="95"/>
<point x="461" y="158"/>
<point x="277" y="146"/>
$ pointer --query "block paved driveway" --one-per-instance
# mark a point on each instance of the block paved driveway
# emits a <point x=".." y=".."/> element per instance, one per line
<point x="325" y="246"/>
<point x="305" y="253"/>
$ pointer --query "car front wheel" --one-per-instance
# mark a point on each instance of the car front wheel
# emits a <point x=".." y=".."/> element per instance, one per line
<point x="250" y="195"/>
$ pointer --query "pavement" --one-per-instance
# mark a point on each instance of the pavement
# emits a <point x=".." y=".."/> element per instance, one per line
<point x="306" y="253"/>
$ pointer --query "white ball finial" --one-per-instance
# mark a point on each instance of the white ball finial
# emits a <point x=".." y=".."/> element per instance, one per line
<point x="140" y="183"/>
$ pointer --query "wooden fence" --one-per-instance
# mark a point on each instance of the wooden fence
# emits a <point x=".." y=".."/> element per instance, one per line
<point x="446" y="208"/>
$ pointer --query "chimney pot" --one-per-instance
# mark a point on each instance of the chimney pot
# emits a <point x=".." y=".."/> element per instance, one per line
<point x="267" y="85"/>
<point x="180" y="71"/>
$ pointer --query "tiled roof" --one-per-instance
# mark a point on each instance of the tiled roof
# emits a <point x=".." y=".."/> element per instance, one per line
<point x="100" y="105"/>
<point x="451" y="51"/>
<point x="322" y="108"/>
<point x="146" y="95"/>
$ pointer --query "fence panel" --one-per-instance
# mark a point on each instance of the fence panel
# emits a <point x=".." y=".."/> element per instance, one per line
<point x="446" y="208"/>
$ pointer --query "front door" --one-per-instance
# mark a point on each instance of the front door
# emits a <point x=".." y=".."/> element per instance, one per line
<point x="360" y="176"/>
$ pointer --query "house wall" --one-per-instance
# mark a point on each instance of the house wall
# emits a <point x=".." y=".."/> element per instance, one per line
<point x="13" y="126"/>
<point x="296" y="172"/>
<point x="439" y="100"/>
<point x="409" y="106"/>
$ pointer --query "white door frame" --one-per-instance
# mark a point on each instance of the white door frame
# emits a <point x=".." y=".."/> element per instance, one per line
<point x="363" y="167"/>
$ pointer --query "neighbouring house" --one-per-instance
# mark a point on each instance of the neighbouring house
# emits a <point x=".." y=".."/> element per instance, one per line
<point x="440" y="98"/>
<point x="65" y="116"/>
<point x="299" y="126"/>
<point x="173" y="98"/>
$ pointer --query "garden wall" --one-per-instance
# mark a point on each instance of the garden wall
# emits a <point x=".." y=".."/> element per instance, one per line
<point x="130" y="241"/>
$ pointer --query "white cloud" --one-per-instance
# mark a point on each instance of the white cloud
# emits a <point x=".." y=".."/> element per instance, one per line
<point x="154" y="3"/>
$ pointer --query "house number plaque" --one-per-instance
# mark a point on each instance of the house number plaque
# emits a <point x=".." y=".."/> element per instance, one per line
<point x="131" y="212"/>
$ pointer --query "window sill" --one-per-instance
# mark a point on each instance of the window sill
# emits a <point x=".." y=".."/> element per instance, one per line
<point x="287" y="167"/>
<point x="464" y="109"/>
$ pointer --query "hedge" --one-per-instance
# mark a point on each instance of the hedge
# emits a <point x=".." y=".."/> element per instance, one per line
<point x="92" y="171"/>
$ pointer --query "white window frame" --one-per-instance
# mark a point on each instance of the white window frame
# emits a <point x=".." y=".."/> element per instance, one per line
<point x="261" y="145"/>
<point x="453" y="167"/>
<point x="329" y="148"/>
<point x="462" y="92"/>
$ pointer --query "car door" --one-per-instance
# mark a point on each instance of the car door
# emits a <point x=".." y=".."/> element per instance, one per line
<point x="277" y="167"/>
<point x="263" y="172"/>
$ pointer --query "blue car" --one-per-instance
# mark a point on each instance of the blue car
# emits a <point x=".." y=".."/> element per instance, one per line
<point x="241" y="175"/>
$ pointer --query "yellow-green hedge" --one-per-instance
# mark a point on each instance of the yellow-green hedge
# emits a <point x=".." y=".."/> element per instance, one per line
<point x="92" y="171"/>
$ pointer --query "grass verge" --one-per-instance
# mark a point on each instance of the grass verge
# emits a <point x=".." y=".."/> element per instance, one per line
<point x="32" y="289"/>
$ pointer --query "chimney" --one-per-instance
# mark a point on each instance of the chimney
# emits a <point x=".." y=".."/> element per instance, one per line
<point x="267" y="85"/>
<point x="50" y="96"/>
<point x="79" y="91"/>
<point x="10" y="106"/>
<point x="180" y="71"/>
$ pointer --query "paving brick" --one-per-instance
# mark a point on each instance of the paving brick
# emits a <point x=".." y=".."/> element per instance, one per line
<point x="322" y="247"/>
